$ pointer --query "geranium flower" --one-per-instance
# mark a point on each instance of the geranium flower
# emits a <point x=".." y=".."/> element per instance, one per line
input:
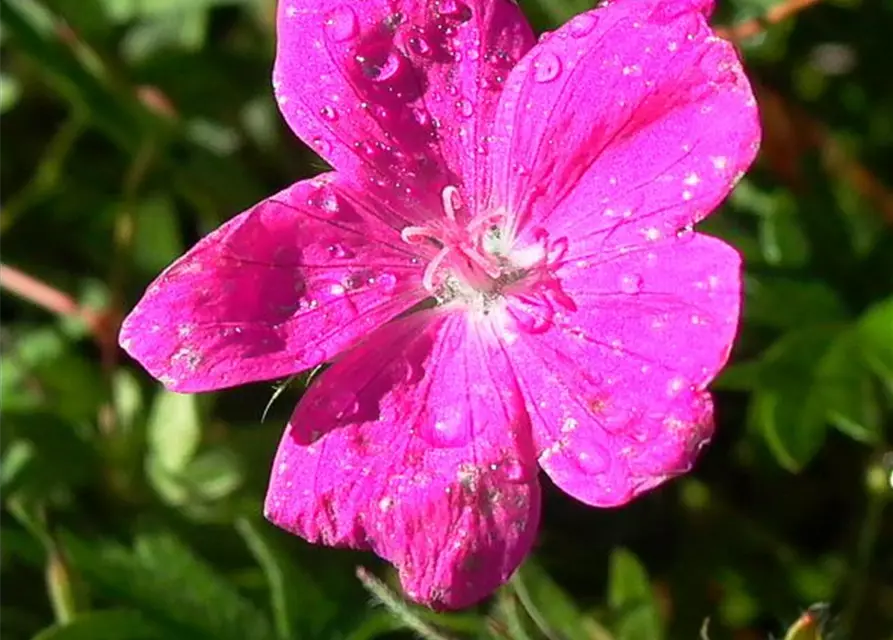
<point x="501" y="269"/>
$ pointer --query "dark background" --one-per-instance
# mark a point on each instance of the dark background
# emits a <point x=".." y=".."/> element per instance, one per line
<point x="132" y="127"/>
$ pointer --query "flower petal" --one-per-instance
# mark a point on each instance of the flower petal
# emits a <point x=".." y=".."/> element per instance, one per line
<point x="403" y="447"/>
<point x="401" y="90"/>
<point x="651" y="330"/>
<point x="630" y="121"/>
<point x="280" y="288"/>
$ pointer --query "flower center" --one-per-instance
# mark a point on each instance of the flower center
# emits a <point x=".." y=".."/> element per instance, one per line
<point x="479" y="261"/>
<point x="472" y="256"/>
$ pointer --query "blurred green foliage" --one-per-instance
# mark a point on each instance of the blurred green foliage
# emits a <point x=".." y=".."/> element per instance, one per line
<point x="132" y="127"/>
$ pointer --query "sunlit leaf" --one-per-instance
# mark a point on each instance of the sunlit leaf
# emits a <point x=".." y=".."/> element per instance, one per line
<point x="876" y="338"/>
<point x="174" y="430"/>
<point x="631" y="599"/>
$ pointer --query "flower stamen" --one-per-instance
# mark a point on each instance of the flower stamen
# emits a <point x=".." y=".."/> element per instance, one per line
<point x="431" y="269"/>
<point x="452" y="201"/>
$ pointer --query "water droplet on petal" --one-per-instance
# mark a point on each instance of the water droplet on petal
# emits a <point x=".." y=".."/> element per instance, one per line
<point x="388" y="282"/>
<point x="418" y="44"/>
<point x="321" y="146"/>
<point x="392" y="22"/>
<point x="630" y="284"/>
<point x="547" y="67"/>
<point x="329" y="113"/>
<point x="381" y="69"/>
<point x="590" y="457"/>
<point x="582" y="25"/>
<point x="449" y="431"/>
<point x="340" y="251"/>
<point x="342" y="24"/>
<point x="326" y="201"/>
<point x="455" y="10"/>
<point x="421" y="116"/>
<point x="465" y="108"/>
<point x="685" y="234"/>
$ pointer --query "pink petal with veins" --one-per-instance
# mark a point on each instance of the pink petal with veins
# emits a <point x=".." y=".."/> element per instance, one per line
<point x="615" y="389"/>
<point x="401" y="91"/>
<point x="403" y="447"/>
<point x="627" y="124"/>
<point x="280" y="288"/>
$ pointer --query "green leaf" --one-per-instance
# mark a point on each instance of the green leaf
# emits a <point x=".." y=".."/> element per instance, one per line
<point x="182" y="30"/>
<point x="106" y="625"/>
<point x="376" y="624"/>
<point x="10" y="91"/>
<point x="876" y="339"/>
<point x="786" y="407"/>
<point x="127" y="10"/>
<point x="48" y="457"/>
<point x="296" y="602"/>
<point x="174" y="430"/>
<point x="46" y="372"/>
<point x="631" y="599"/>
<point x="786" y="303"/>
<point x="549" y="606"/>
<point x="164" y="579"/>
<point x="33" y="29"/>
<point x="127" y="398"/>
<point x="548" y="14"/>
<point x="781" y="237"/>
<point x="157" y="238"/>
<point x="809" y="379"/>
<point x="845" y="387"/>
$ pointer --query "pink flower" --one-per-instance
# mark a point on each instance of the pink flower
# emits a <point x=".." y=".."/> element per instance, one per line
<point x="501" y="268"/>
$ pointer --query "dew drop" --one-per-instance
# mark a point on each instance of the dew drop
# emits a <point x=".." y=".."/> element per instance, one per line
<point x="446" y="432"/>
<point x="329" y="113"/>
<point x="340" y="251"/>
<point x="547" y="67"/>
<point x="686" y="233"/>
<point x="321" y="146"/>
<point x="381" y="70"/>
<point x="421" y="116"/>
<point x="392" y="22"/>
<point x="387" y="281"/>
<point x="630" y="284"/>
<point x="326" y="201"/>
<point x="342" y="24"/>
<point x="590" y="457"/>
<point x="418" y="44"/>
<point x="582" y="25"/>
<point x="465" y="108"/>
<point x="674" y="386"/>
<point x="455" y="10"/>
